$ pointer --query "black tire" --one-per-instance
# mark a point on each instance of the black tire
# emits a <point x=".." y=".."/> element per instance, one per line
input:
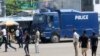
<point x="55" y="38"/>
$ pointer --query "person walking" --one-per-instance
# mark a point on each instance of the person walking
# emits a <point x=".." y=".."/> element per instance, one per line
<point x="37" y="38"/>
<point x="9" y="42"/>
<point x="26" y="41"/>
<point x="18" y="37"/>
<point x="93" y="43"/>
<point x="21" y="36"/>
<point x="75" y="41"/>
<point x="84" y="43"/>
<point x="4" y="32"/>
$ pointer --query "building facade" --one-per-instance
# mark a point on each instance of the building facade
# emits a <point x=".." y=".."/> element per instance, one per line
<point x="87" y="5"/>
<point x="80" y="5"/>
<point x="64" y="4"/>
<point x="96" y="4"/>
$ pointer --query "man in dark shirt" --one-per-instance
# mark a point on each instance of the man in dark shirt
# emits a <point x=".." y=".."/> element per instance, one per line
<point x="84" y="43"/>
<point x="94" y="43"/>
<point x="27" y="40"/>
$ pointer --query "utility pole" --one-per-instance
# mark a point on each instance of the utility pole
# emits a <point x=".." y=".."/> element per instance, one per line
<point x="4" y="8"/>
<point x="62" y="4"/>
<point x="1" y="8"/>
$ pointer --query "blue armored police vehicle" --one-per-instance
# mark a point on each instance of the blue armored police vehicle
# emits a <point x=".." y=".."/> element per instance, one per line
<point x="60" y="23"/>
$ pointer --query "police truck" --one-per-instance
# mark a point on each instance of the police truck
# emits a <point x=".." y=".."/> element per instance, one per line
<point x="58" y="24"/>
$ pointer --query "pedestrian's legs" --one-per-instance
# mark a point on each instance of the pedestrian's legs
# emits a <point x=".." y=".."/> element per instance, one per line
<point x="36" y="48"/>
<point x="21" y="43"/>
<point x="85" y="53"/>
<point x="5" y="40"/>
<point x="92" y="52"/>
<point x="76" y="49"/>
<point x="6" y="46"/>
<point x="11" y="46"/>
<point x="95" y="49"/>
<point x="26" y="49"/>
<point x="1" y="44"/>
<point x="18" y="40"/>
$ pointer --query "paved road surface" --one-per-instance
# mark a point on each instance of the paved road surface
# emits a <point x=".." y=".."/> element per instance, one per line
<point x="54" y="49"/>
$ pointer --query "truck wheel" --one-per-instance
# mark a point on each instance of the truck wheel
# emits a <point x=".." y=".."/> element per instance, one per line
<point x="55" y="39"/>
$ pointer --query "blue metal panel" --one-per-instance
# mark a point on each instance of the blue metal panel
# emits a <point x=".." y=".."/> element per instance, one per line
<point x="69" y="20"/>
<point x="81" y="21"/>
<point x="90" y="23"/>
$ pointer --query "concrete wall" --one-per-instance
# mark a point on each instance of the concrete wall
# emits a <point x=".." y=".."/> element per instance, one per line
<point x="69" y="4"/>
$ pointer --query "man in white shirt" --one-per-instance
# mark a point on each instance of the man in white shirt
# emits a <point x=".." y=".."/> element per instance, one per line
<point x="75" y="41"/>
<point x="4" y="32"/>
<point x="18" y="37"/>
<point x="4" y="38"/>
<point x="37" y="38"/>
<point x="17" y="32"/>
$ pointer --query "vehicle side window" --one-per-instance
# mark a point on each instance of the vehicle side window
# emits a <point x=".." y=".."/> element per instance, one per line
<point x="50" y="20"/>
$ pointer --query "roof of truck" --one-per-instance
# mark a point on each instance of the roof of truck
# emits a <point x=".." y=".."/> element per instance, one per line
<point x="68" y="10"/>
<point x="50" y="13"/>
<point x="72" y="10"/>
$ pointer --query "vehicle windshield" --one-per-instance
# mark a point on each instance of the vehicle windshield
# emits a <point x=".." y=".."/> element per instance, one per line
<point x="38" y="19"/>
<point x="42" y="19"/>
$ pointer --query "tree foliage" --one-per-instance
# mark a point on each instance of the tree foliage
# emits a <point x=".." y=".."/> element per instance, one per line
<point x="14" y="6"/>
<point x="11" y="7"/>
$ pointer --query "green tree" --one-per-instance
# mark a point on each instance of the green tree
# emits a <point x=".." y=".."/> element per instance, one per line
<point x="11" y="7"/>
<point x="27" y="4"/>
<point x="14" y="6"/>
